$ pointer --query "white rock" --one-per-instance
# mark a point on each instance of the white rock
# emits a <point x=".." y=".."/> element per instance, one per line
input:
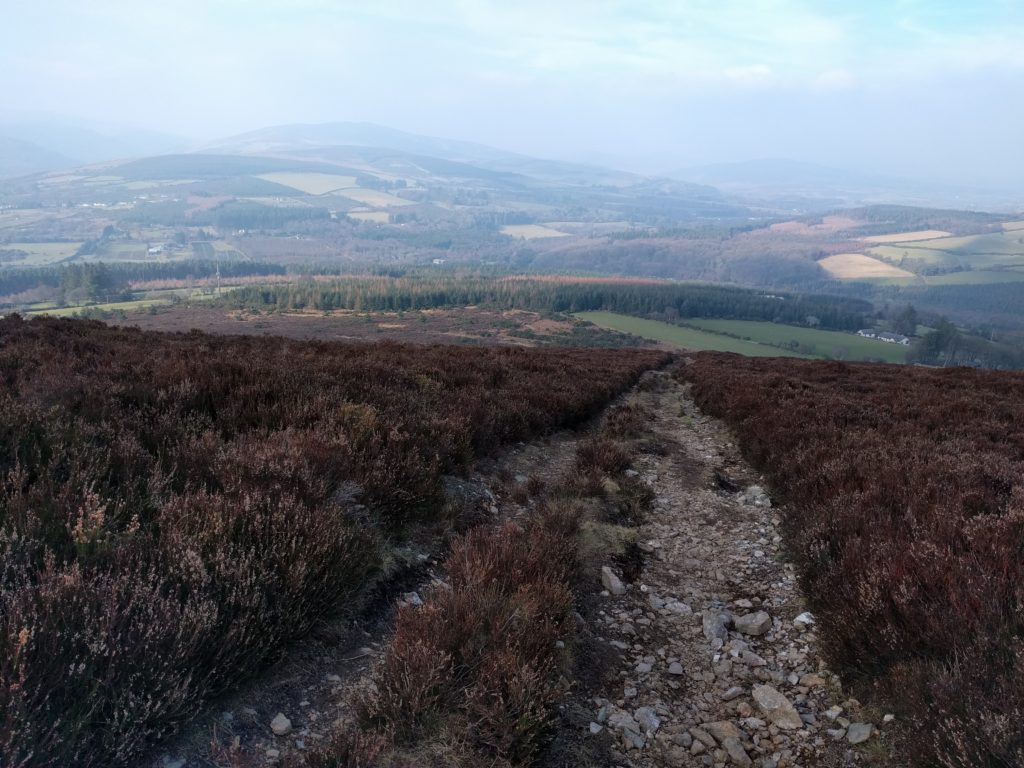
<point x="753" y="623"/>
<point x="777" y="708"/>
<point x="281" y="725"/>
<point x="805" y="619"/>
<point x="648" y="720"/>
<point x="611" y="582"/>
<point x="859" y="732"/>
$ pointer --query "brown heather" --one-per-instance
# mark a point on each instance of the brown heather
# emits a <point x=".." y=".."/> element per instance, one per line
<point x="905" y="513"/>
<point x="175" y="509"/>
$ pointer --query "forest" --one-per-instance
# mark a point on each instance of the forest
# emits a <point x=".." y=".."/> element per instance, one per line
<point x="176" y="509"/>
<point x="662" y="300"/>
<point x="904" y="511"/>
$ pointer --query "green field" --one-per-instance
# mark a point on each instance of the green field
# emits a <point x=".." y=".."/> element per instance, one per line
<point x="833" y="344"/>
<point x="41" y="254"/>
<point x="126" y="306"/>
<point x="690" y="338"/>
<point x="971" y="252"/>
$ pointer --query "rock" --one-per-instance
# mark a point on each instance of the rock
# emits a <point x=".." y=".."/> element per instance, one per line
<point x="273" y="754"/>
<point x="333" y="678"/>
<point x="804" y="620"/>
<point x="715" y="624"/>
<point x="643" y="668"/>
<point x="753" y="623"/>
<point x="813" y="681"/>
<point x="703" y="737"/>
<point x="722" y="730"/>
<point x="736" y="752"/>
<point x="411" y="598"/>
<point x="596" y="728"/>
<point x="631" y="473"/>
<point x="888" y="718"/>
<point x="611" y="582"/>
<point x="732" y="693"/>
<point x="281" y="725"/>
<point x="168" y="762"/>
<point x="677" y="607"/>
<point x="623" y="721"/>
<point x="648" y="720"/>
<point x="675" y="668"/>
<point x="833" y="712"/>
<point x="755" y="496"/>
<point x="655" y="602"/>
<point x="777" y="708"/>
<point x="859" y="732"/>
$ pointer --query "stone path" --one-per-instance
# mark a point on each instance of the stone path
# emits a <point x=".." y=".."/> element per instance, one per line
<point x="718" y="658"/>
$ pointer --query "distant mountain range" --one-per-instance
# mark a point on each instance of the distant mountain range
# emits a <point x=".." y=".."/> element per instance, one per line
<point x="767" y="184"/>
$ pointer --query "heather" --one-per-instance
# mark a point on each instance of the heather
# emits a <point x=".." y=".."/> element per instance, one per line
<point x="904" y="494"/>
<point x="176" y="509"/>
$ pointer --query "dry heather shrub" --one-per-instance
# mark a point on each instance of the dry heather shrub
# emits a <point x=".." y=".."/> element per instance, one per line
<point x="906" y="515"/>
<point x="600" y="454"/>
<point x="174" y="508"/>
<point x="481" y="650"/>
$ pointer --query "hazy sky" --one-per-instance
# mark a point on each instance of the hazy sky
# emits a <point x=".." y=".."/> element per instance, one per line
<point x="930" y="88"/>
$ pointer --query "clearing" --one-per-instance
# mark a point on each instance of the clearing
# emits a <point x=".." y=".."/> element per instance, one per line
<point x="858" y="266"/>
<point x="531" y="231"/>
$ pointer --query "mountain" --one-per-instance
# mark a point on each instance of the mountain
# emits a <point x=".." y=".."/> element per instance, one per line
<point x="88" y="145"/>
<point x="297" y="137"/>
<point x="777" y="173"/>
<point x="306" y="139"/>
<point x="19" y="158"/>
<point x="789" y="184"/>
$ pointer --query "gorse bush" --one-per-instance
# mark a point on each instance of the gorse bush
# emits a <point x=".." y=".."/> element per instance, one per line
<point x="174" y="509"/>
<point x="905" y="493"/>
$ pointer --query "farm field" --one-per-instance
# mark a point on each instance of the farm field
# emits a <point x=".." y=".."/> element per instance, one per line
<point x="832" y="344"/>
<point x="908" y="237"/>
<point x="40" y="254"/>
<point x="311" y="183"/>
<point x="531" y="231"/>
<point x="1013" y="226"/>
<point x="971" y="252"/>
<point x="858" y="266"/>
<point x="688" y="338"/>
<point x="372" y="197"/>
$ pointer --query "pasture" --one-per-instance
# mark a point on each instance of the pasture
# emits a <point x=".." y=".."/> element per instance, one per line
<point x="688" y="338"/>
<point x="858" y="266"/>
<point x="908" y="237"/>
<point x="832" y="344"/>
<point x="310" y="183"/>
<point x="531" y="231"/>
<point x="41" y="254"/>
<point x="372" y="197"/>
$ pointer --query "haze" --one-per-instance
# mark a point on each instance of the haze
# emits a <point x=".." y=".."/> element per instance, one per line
<point x="927" y="90"/>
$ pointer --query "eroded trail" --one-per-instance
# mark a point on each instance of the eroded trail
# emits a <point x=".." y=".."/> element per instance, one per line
<point x="718" y="662"/>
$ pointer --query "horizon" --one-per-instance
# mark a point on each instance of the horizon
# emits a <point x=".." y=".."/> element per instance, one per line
<point x="879" y="90"/>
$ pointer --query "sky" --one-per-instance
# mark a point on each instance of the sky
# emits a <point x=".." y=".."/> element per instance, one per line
<point x="926" y="89"/>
